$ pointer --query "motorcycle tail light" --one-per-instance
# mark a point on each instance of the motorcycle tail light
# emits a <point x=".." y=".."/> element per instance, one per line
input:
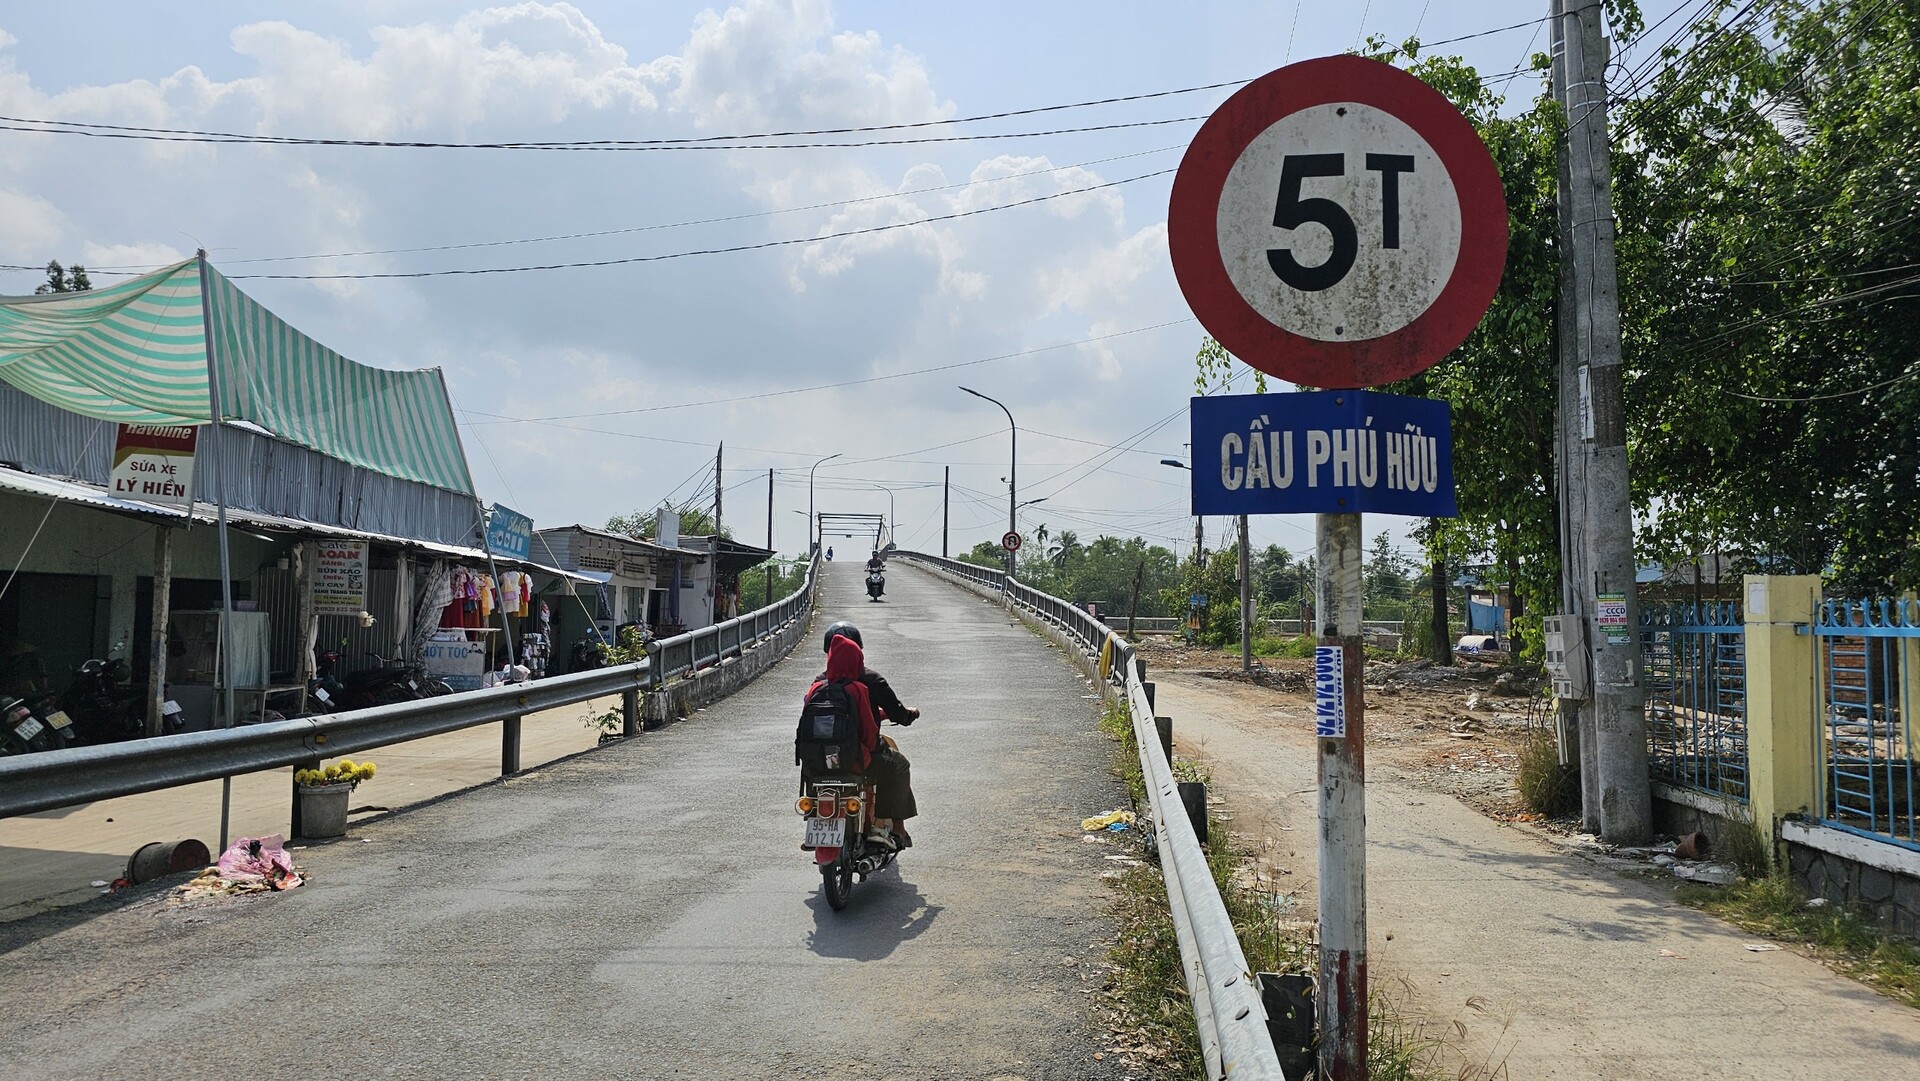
<point x="804" y="805"/>
<point x="852" y="804"/>
<point x="828" y="806"/>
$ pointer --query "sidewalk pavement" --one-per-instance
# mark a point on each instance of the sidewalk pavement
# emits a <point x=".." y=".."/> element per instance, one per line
<point x="51" y="859"/>
<point x="1574" y="971"/>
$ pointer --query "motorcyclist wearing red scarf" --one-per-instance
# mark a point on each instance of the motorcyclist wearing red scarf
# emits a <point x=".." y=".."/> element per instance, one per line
<point x="882" y="761"/>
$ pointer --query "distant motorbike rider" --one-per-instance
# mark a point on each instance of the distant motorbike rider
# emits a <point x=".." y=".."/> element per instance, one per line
<point x="875" y="564"/>
<point x="889" y="770"/>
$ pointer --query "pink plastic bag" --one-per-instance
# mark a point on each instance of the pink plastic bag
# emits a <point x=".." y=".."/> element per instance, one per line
<point x="259" y="859"/>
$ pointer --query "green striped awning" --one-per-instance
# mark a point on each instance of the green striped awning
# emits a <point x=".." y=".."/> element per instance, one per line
<point x="136" y="353"/>
<point x="398" y="423"/>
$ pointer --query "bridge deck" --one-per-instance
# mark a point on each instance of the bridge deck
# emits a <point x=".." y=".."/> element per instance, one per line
<point x="645" y="911"/>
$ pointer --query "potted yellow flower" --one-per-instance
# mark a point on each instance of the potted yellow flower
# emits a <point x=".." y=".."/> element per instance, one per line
<point x="323" y="796"/>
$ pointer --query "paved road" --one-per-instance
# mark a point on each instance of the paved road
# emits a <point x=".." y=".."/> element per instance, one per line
<point x="645" y="911"/>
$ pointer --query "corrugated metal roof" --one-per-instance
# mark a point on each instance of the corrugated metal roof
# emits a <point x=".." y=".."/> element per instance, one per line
<point x="15" y="480"/>
<point x="89" y="495"/>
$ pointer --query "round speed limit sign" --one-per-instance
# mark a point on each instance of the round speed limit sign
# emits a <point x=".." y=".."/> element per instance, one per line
<point x="1337" y="223"/>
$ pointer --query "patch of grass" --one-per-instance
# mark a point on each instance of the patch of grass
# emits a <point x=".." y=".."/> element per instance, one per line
<point x="1774" y="907"/>
<point x="1297" y="648"/>
<point x="1546" y="786"/>
<point x="1743" y="846"/>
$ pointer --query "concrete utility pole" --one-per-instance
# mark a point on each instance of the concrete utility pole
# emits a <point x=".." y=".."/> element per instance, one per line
<point x="719" y="490"/>
<point x="946" y="493"/>
<point x="770" y="563"/>
<point x="1625" y="800"/>
<point x="1339" y="686"/>
<point x="1246" y="602"/>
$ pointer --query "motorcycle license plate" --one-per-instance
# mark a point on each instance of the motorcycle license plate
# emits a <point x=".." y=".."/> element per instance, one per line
<point x="30" y="728"/>
<point x="169" y="708"/>
<point x="826" y="832"/>
<point x="59" y="719"/>
<point x="411" y="685"/>
<point x="322" y="695"/>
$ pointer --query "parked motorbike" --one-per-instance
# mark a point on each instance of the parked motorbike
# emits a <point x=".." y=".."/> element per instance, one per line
<point x="20" y="731"/>
<point x="876" y="585"/>
<point x="23" y="678"/>
<point x="105" y="706"/>
<point x="836" y="811"/>
<point x="393" y="681"/>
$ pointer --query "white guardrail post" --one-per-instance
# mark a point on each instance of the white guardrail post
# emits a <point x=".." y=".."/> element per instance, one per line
<point x="1227" y="1007"/>
<point x="48" y="780"/>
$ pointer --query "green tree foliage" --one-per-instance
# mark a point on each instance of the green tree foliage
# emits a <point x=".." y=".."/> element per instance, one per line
<point x="1766" y="202"/>
<point x="1770" y="221"/>
<point x="1103" y="572"/>
<point x="63" y="280"/>
<point x="787" y="575"/>
<point x="641" y="524"/>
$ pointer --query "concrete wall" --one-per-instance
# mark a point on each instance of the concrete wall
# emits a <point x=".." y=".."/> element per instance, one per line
<point x="680" y="699"/>
<point x="78" y="539"/>
<point x="1884" y="896"/>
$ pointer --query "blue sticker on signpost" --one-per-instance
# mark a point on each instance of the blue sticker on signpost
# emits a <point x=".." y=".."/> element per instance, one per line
<point x="509" y="533"/>
<point x="1322" y="452"/>
<point x="1329" y="692"/>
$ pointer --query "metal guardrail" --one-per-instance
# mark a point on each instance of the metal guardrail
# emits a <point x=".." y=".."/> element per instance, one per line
<point x="30" y="783"/>
<point x="1225" y="995"/>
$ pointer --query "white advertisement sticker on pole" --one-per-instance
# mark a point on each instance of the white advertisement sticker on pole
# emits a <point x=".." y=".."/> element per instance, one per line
<point x="1329" y="692"/>
<point x="340" y="578"/>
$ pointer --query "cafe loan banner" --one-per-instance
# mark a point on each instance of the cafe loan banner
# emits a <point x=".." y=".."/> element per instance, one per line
<point x="340" y="578"/>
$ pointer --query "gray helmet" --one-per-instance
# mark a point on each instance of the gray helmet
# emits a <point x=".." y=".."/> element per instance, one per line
<point x="842" y="629"/>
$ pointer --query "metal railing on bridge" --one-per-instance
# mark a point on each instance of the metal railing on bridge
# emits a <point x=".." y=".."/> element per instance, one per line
<point x="1225" y="995"/>
<point x="51" y="779"/>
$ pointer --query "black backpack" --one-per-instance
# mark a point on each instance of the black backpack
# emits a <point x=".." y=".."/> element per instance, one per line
<point x="828" y="739"/>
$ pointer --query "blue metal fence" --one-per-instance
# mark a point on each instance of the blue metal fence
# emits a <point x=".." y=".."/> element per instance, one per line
<point x="1695" y="658"/>
<point x="1867" y="697"/>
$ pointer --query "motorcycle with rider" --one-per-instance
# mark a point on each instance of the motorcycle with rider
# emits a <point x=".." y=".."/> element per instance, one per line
<point x="856" y="788"/>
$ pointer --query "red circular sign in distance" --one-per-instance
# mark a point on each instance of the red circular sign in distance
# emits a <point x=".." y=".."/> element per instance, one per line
<point x="1193" y="230"/>
<point x="1011" y="542"/>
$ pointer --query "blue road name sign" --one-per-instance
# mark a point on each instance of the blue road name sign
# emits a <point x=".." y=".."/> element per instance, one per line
<point x="1322" y="452"/>
<point x="509" y="533"/>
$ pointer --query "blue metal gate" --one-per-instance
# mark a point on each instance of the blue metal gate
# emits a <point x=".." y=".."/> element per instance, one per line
<point x="1695" y="657"/>
<point x="1867" y="697"/>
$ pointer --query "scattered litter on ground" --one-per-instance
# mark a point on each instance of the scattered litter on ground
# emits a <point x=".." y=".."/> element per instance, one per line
<point x="99" y="882"/>
<point x="1672" y="953"/>
<point x="1710" y="874"/>
<point x="1817" y="902"/>
<point x="249" y="865"/>
<point x="1763" y="947"/>
<point x="1121" y="818"/>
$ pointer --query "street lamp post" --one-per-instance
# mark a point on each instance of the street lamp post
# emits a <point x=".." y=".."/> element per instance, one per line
<point x="813" y="540"/>
<point x="1013" y="461"/>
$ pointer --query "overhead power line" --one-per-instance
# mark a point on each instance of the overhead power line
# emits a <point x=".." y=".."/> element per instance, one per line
<point x="111" y="131"/>
<point x="501" y="418"/>
<point x="727" y="250"/>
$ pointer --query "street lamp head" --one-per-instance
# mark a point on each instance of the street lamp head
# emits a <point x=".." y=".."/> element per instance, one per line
<point x="1173" y="463"/>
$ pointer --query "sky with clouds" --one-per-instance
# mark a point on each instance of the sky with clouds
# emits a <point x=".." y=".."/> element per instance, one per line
<point x="591" y="391"/>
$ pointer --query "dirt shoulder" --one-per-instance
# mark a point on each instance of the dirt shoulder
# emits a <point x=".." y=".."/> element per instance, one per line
<point x="1536" y="962"/>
